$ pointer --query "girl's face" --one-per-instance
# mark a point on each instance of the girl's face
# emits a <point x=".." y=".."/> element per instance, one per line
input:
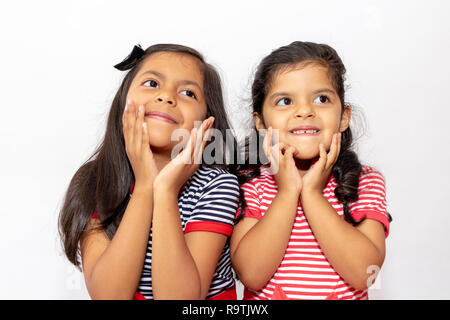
<point x="305" y="108"/>
<point x="170" y="87"/>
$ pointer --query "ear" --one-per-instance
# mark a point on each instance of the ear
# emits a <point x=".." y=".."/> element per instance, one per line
<point x="345" y="118"/>
<point x="259" y="122"/>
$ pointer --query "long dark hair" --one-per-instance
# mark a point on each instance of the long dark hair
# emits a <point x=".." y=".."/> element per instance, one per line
<point x="347" y="168"/>
<point x="102" y="183"/>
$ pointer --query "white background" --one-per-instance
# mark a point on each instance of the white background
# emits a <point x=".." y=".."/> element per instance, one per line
<point x="57" y="83"/>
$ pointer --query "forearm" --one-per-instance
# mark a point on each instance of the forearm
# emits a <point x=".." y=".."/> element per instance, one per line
<point x="174" y="272"/>
<point x="347" y="249"/>
<point x="261" y="250"/>
<point x="117" y="272"/>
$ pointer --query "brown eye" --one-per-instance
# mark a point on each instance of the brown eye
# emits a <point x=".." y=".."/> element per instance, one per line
<point x="188" y="93"/>
<point x="284" y="102"/>
<point x="151" y="83"/>
<point x="321" y="99"/>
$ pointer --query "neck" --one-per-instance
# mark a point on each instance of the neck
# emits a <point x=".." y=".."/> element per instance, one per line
<point x="161" y="158"/>
<point x="304" y="165"/>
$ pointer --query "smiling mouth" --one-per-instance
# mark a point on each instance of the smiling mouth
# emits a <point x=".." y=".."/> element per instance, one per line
<point x="305" y="132"/>
<point x="160" y="116"/>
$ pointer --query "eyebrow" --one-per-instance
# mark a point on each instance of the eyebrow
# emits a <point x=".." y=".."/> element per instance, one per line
<point x="321" y="90"/>
<point x="155" y="73"/>
<point x="278" y="94"/>
<point x="182" y="82"/>
<point x="324" y="90"/>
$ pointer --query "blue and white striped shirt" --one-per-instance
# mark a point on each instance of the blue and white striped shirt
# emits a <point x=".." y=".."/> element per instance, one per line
<point x="208" y="202"/>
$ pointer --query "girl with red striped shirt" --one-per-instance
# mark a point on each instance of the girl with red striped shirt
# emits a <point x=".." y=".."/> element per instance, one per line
<point x="313" y="224"/>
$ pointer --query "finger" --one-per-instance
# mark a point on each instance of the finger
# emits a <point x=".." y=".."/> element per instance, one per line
<point x="275" y="158"/>
<point x="145" y="140"/>
<point x="206" y="124"/>
<point x="289" y="153"/>
<point x="124" y="117"/>
<point x="322" y="161"/>
<point x="131" y="121"/>
<point x="138" y="126"/>
<point x="128" y="123"/>
<point x="198" y="143"/>
<point x="189" y="150"/>
<point x="334" y="151"/>
<point x="267" y="143"/>
<point x="283" y="147"/>
<point x="275" y="152"/>
<point x="208" y="133"/>
<point x="185" y="155"/>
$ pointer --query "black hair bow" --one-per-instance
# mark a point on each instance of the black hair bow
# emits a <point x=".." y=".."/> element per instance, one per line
<point x="130" y="61"/>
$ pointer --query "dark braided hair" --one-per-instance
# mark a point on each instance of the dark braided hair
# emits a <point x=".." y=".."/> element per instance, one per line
<point x="347" y="168"/>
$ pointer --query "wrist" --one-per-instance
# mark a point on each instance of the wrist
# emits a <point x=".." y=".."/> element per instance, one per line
<point x="142" y="187"/>
<point x="288" y="194"/>
<point x="310" y="194"/>
<point x="163" y="190"/>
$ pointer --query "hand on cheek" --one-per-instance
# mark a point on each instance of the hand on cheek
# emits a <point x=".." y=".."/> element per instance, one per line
<point x="282" y="164"/>
<point x="135" y="132"/>
<point x="318" y="174"/>
<point x="172" y="177"/>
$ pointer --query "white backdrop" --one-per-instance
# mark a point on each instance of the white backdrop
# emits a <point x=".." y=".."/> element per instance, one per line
<point x="57" y="83"/>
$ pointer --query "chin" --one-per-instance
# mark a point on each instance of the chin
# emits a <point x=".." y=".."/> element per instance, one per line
<point x="161" y="142"/>
<point x="307" y="153"/>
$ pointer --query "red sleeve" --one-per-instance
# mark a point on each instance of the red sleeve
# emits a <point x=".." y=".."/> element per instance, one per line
<point x="371" y="203"/>
<point x="210" y="226"/>
<point x="215" y="208"/>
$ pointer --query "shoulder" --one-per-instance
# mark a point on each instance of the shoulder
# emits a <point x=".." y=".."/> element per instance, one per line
<point x="371" y="177"/>
<point x="265" y="177"/>
<point x="211" y="177"/>
<point x="262" y="184"/>
<point x="367" y="171"/>
<point x="207" y="174"/>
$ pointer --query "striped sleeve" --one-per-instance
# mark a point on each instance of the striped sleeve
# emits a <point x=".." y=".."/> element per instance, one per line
<point x="216" y="207"/>
<point x="253" y="205"/>
<point x="371" y="203"/>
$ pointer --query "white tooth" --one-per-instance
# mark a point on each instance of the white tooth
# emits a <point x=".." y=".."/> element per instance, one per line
<point x="304" y="131"/>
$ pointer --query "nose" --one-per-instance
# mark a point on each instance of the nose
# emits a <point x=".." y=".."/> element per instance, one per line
<point x="304" y="110"/>
<point x="165" y="97"/>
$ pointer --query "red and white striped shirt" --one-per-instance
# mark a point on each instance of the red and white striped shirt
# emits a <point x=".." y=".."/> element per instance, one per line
<point x="304" y="272"/>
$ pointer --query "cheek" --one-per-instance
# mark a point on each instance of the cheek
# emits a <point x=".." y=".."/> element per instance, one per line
<point x="326" y="138"/>
<point x="331" y="125"/>
<point x="135" y="97"/>
<point x="275" y="120"/>
<point x="193" y="115"/>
